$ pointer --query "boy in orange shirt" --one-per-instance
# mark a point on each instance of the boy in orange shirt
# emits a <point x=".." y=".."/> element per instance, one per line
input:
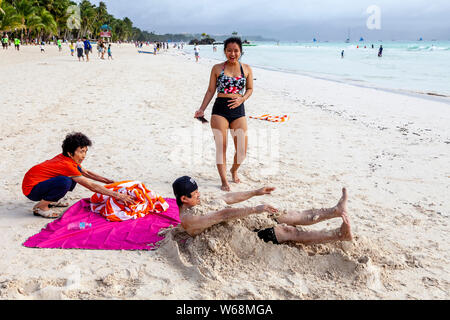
<point x="49" y="181"/>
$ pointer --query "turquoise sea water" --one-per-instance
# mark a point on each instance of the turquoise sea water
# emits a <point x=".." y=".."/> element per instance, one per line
<point x="421" y="66"/>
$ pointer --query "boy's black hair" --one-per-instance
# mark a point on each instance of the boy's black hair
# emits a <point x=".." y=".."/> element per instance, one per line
<point x="73" y="141"/>
<point x="183" y="186"/>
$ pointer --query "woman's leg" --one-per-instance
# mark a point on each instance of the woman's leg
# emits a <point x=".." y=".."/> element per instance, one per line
<point x="313" y="216"/>
<point x="239" y="132"/>
<point x="50" y="191"/>
<point x="219" y="126"/>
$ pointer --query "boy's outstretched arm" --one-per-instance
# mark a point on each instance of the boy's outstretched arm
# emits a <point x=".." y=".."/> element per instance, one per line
<point x="235" y="197"/>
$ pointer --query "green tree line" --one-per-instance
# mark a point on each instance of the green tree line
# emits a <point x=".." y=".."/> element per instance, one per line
<point x="46" y="19"/>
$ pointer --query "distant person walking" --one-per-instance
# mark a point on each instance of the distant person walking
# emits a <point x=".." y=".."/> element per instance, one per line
<point x="342" y="54"/>
<point x="17" y="44"/>
<point x="59" y="43"/>
<point x="5" y="41"/>
<point x="80" y="47"/>
<point x="72" y="48"/>
<point x="103" y="49"/>
<point x="87" y="48"/>
<point x="42" y="46"/>
<point x="109" y="52"/>
<point x="234" y="84"/>
<point x="99" y="49"/>
<point x="380" y="51"/>
<point x="196" y="52"/>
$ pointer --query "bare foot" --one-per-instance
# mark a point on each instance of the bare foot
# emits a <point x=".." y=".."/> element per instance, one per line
<point x="235" y="177"/>
<point x="225" y="187"/>
<point x="341" y="207"/>
<point x="345" y="232"/>
<point x="42" y="206"/>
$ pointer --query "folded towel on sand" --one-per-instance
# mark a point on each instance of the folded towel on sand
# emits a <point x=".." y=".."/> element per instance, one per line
<point x="134" y="234"/>
<point x="146" y="202"/>
<point x="272" y="118"/>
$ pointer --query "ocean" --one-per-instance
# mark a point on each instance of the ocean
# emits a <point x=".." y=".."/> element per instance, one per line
<point x="410" y="67"/>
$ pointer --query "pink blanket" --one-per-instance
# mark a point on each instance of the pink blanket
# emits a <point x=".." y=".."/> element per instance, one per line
<point x="139" y="234"/>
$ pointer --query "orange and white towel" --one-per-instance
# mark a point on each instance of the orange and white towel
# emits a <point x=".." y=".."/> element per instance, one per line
<point x="272" y="118"/>
<point x="146" y="201"/>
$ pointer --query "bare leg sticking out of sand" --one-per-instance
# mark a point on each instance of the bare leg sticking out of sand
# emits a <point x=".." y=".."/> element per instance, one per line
<point x="308" y="217"/>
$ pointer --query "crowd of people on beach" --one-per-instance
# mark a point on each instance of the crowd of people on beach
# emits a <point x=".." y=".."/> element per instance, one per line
<point x="82" y="46"/>
<point x="158" y="46"/>
<point x="48" y="182"/>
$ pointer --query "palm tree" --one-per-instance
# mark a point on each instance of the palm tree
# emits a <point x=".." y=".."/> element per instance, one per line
<point x="9" y="19"/>
<point x="128" y="28"/>
<point x="118" y="27"/>
<point x="88" y="16"/>
<point x="27" y="14"/>
<point x="44" y="18"/>
<point x="61" y="14"/>
<point x="47" y="23"/>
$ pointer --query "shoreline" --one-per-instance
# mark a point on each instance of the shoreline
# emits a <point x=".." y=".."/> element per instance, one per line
<point x="423" y="95"/>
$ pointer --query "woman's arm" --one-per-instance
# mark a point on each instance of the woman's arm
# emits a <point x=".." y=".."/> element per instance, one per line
<point x="249" y="85"/>
<point x="209" y="93"/>
<point x="94" y="187"/>
<point x="96" y="177"/>
<point x="195" y="225"/>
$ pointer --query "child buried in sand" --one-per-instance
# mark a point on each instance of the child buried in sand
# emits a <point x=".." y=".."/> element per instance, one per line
<point x="195" y="219"/>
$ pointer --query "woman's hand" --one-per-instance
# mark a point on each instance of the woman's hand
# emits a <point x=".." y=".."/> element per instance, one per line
<point x="264" y="190"/>
<point x="265" y="208"/>
<point x="127" y="199"/>
<point x="236" y="102"/>
<point x="199" y="113"/>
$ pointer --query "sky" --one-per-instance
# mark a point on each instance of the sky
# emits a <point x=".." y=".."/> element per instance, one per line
<point x="292" y="20"/>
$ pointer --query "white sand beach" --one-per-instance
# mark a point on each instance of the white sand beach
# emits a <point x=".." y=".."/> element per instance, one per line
<point x="391" y="151"/>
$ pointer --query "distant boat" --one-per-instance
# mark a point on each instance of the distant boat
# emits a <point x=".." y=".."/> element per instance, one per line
<point x="420" y="39"/>
<point x="361" y="39"/>
<point x="314" y="40"/>
<point x="248" y="44"/>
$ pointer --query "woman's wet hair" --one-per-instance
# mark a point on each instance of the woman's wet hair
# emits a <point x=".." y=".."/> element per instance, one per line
<point x="73" y="141"/>
<point x="236" y="40"/>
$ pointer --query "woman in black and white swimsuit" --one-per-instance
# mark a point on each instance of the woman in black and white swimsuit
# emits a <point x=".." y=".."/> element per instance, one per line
<point x="234" y="84"/>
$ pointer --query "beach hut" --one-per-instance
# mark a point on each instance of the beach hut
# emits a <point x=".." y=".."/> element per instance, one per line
<point x="105" y="32"/>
